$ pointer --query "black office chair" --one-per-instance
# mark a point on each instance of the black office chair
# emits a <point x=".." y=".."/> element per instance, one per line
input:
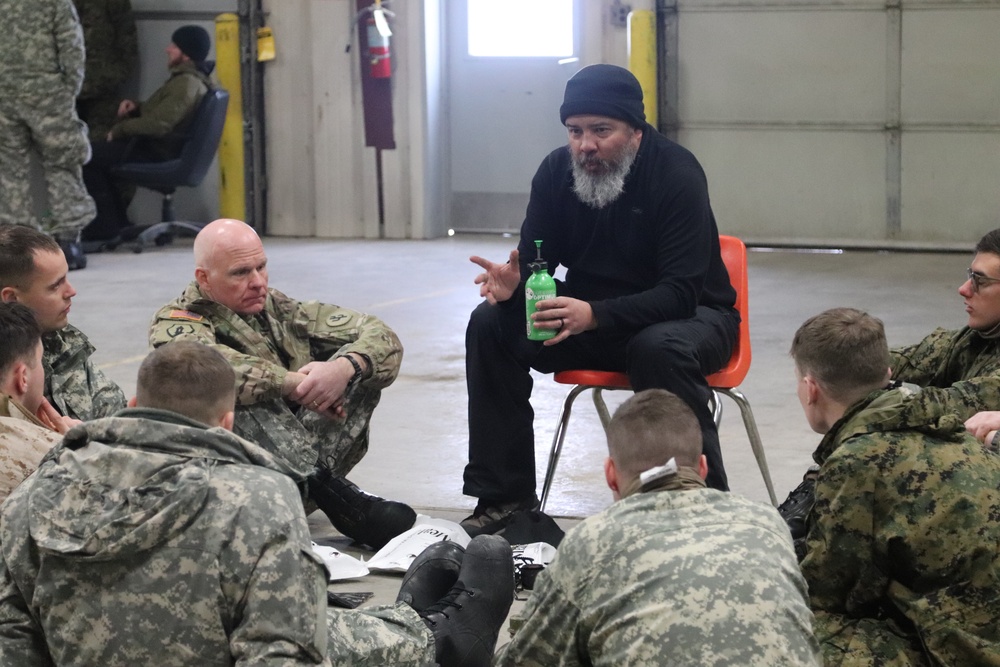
<point x="200" y="143"/>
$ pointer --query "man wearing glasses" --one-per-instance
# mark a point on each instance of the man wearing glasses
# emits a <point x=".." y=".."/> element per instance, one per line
<point x="959" y="368"/>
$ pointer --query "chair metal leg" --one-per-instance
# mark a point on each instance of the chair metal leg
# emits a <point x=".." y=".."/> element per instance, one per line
<point x="754" y="435"/>
<point x="602" y="407"/>
<point x="715" y="405"/>
<point x="557" y="441"/>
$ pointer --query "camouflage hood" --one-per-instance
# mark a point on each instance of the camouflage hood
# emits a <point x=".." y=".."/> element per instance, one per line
<point x="904" y="408"/>
<point x="123" y="485"/>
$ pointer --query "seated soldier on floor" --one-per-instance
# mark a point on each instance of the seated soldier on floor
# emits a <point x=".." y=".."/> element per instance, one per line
<point x="959" y="368"/>
<point x="901" y="553"/>
<point x="34" y="272"/>
<point x="29" y="427"/>
<point x="673" y="572"/>
<point x="158" y="537"/>
<point x="308" y="374"/>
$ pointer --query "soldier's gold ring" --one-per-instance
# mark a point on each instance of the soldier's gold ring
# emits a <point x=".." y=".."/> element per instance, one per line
<point x="315" y="404"/>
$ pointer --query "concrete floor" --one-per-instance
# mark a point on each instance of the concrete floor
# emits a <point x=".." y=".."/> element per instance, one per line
<point x="424" y="290"/>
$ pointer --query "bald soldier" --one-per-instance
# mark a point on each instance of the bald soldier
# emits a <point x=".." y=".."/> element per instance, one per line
<point x="308" y="374"/>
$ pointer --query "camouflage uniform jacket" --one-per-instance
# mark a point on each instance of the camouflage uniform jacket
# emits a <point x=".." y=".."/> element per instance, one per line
<point x="112" y="45"/>
<point x="904" y="537"/>
<point x="73" y="385"/>
<point x="158" y="542"/>
<point x="42" y="39"/>
<point x="23" y="442"/>
<point x="167" y="110"/>
<point x="961" y="365"/>
<point x="300" y="332"/>
<point x="685" y="578"/>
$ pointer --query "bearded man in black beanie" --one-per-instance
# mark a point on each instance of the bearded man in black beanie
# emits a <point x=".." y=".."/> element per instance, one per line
<point x="157" y="123"/>
<point x="627" y="212"/>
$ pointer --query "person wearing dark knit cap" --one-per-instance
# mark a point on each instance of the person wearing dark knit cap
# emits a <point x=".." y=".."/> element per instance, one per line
<point x="157" y="123"/>
<point x="626" y="211"/>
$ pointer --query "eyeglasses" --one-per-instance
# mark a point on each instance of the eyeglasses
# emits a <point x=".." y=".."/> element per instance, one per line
<point x="978" y="280"/>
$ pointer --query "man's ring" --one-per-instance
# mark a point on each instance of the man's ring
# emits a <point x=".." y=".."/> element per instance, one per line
<point x="560" y="323"/>
<point x="315" y="404"/>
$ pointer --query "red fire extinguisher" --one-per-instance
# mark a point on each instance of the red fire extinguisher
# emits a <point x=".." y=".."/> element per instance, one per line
<point x="378" y="51"/>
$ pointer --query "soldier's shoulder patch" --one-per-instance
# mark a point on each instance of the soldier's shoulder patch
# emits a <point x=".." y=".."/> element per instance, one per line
<point x="185" y="315"/>
<point x="332" y="320"/>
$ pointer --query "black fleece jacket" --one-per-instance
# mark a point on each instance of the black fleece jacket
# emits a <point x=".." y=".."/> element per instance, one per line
<point x="650" y="256"/>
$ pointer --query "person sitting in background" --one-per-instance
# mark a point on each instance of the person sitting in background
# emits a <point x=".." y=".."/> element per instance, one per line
<point x="155" y="125"/>
<point x="309" y="374"/>
<point x="158" y="537"/>
<point x="29" y="427"/>
<point x="902" y="550"/>
<point x="673" y="572"/>
<point x="33" y="272"/>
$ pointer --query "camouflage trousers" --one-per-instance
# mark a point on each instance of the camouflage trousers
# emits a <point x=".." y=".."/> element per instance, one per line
<point x="44" y="120"/>
<point x="379" y="636"/>
<point x="863" y="642"/>
<point x="304" y="439"/>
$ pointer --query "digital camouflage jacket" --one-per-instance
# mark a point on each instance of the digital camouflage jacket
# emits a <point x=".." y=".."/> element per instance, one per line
<point x="959" y="368"/>
<point x="903" y="549"/>
<point x="73" y="385"/>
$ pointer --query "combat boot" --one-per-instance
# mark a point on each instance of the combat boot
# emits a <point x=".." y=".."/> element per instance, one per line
<point x="75" y="257"/>
<point x="466" y="622"/>
<point x="431" y="575"/>
<point x="358" y="515"/>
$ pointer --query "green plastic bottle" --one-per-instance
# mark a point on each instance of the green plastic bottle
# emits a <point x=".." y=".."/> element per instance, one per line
<point x="540" y="286"/>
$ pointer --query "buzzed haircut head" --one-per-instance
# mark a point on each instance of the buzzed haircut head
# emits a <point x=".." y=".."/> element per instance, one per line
<point x="18" y="245"/>
<point x="188" y="378"/>
<point x="990" y="243"/>
<point x="649" y="429"/>
<point x="844" y="350"/>
<point x="20" y="334"/>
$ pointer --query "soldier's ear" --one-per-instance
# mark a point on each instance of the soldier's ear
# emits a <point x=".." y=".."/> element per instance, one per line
<point x="611" y="476"/>
<point x="132" y="402"/>
<point x="8" y="294"/>
<point x="227" y="420"/>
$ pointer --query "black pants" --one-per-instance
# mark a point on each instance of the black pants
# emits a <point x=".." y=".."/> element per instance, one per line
<point x="675" y="356"/>
<point x="112" y="206"/>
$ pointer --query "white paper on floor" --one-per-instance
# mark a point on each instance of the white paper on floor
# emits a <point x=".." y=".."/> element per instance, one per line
<point x="397" y="555"/>
<point x="339" y="565"/>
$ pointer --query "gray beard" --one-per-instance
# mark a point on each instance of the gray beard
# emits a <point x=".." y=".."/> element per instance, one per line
<point x="599" y="190"/>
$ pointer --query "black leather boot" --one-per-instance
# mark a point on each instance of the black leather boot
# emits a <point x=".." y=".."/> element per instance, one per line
<point x="466" y="622"/>
<point x="75" y="257"/>
<point x="431" y="575"/>
<point x="360" y="516"/>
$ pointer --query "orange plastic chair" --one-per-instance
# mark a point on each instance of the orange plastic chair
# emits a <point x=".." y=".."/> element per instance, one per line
<point x="726" y="381"/>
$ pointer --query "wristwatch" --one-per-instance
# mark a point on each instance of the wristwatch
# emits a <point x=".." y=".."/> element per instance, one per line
<point x="994" y="444"/>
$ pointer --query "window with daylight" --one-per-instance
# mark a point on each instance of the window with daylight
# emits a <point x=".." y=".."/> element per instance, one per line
<point x="521" y="28"/>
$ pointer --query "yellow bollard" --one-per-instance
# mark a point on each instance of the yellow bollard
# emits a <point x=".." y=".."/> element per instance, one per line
<point x="232" y="184"/>
<point x="642" y="57"/>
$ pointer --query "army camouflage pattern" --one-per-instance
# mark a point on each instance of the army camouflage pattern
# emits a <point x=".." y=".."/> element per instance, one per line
<point x="23" y="442"/>
<point x="960" y="368"/>
<point x="162" y="542"/>
<point x="680" y="578"/>
<point x="902" y="554"/>
<point x="73" y="385"/>
<point x="41" y="71"/>
<point x="111" y="40"/>
<point x="285" y="337"/>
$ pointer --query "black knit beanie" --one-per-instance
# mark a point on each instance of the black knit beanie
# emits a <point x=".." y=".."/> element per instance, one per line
<point x="193" y="41"/>
<point x="604" y="90"/>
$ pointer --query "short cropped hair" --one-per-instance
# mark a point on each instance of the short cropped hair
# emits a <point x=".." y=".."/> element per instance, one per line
<point x="20" y="333"/>
<point x="18" y="245"/>
<point x="649" y="429"/>
<point x="990" y="243"/>
<point x="188" y="378"/>
<point x="844" y="350"/>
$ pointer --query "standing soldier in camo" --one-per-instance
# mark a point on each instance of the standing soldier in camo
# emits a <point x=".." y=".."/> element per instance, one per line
<point x="41" y="72"/>
<point x="112" y="55"/>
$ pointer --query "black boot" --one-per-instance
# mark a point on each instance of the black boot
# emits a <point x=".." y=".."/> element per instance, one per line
<point x="431" y="575"/>
<point x="465" y="623"/>
<point x="74" y="254"/>
<point x="362" y="517"/>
